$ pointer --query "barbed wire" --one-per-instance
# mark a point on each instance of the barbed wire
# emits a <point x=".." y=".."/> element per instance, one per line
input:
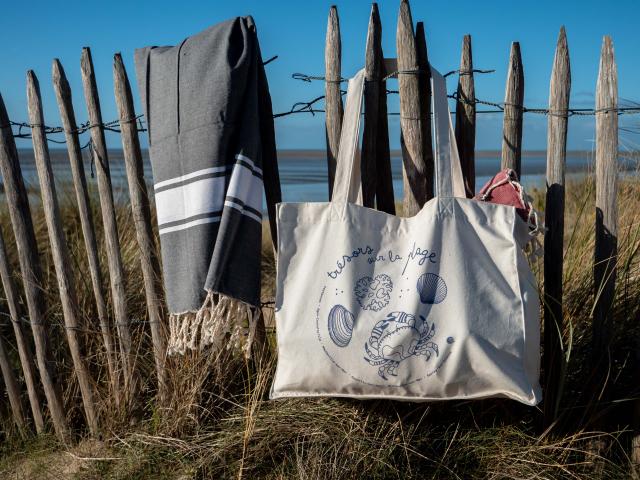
<point x="309" y="107"/>
<point x="309" y="78"/>
<point x="499" y="107"/>
<point x="111" y="126"/>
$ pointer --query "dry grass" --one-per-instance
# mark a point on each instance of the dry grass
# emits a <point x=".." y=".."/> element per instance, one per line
<point x="218" y="422"/>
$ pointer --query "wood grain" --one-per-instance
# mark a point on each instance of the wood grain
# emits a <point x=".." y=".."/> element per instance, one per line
<point x="59" y="252"/>
<point x="24" y="349"/>
<point x="67" y="115"/>
<point x="413" y="157"/>
<point x="13" y="390"/>
<point x="114" y="258"/>
<point x="466" y="118"/>
<point x="20" y="214"/>
<point x="424" y="82"/>
<point x="333" y="97"/>
<point x="385" y="199"/>
<point x="606" y="241"/>
<point x="559" y="91"/>
<point x="141" y="211"/>
<point x="373" y="76"/>
<point x="513" y="103"/>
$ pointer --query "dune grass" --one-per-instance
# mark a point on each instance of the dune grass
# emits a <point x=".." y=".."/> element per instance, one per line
<point x="219" y="423"/>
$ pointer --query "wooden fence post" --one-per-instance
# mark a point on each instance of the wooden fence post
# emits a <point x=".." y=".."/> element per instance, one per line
<point x="606" y="190"/>
<point x="466" y="118"/>
<point x="24" y="350"/>
<point x="373" y="75"/>
<point x="333" y="96"/>
<point x="59" y="252"/>
<point x="513" y="112"/>
<point x="554" y="363"/>
<point x="116" y="270"/>
<point x="414" y="171"/>
<point x="20" y="214"/>
<point x="424" y="83"/>
<point x="65" y="105"/>
<point x="142" y="218"/>
<point x="12" y="389"/>
<point x="385" y="199"/>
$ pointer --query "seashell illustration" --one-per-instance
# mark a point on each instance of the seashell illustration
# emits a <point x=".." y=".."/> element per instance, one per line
<point x="432" y="288"/>
<point x="341" y="323"/>
<point x="374" y="293"/>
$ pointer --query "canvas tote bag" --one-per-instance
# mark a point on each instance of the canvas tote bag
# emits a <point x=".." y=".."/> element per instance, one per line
<point x="442" y="305"/>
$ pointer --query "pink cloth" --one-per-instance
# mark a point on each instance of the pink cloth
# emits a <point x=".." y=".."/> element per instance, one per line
<point x="504" y="189"/>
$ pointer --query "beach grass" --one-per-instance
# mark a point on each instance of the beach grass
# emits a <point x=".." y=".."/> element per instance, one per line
<point x="219" y="423"/>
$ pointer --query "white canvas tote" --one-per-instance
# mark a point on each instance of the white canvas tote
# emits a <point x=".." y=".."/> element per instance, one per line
<point x="442" y="305"/>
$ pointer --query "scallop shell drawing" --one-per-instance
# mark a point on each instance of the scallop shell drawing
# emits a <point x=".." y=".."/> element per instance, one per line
<point x="341" y="323"/>
<point x="432" y="288"/>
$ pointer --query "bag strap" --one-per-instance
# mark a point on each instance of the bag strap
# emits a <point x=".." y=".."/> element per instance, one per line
<point x="448" y="172"/>
<point x="348" y="182"/>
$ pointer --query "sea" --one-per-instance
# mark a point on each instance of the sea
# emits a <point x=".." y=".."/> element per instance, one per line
<point x="303" y="173"/>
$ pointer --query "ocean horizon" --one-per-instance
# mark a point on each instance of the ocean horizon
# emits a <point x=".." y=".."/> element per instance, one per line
<point x="303" y="172"/>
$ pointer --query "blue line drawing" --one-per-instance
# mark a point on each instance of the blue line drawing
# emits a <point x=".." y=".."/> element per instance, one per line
<point x="396" y="338"/>
<point x="432" y="288"/>
<point x="340" y="323"/>
<point x="374" y="293"/>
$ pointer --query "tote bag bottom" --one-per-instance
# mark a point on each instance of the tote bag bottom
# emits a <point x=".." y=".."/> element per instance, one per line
<point x="532" y="400"/>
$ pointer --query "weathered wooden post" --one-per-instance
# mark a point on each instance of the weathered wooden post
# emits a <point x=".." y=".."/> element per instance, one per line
<point x="413" y="156"/>
<point x="513" y="112"/>
<point x="606" y="242"/>
<point x="333" y="96"/>
<point x="65" y="105"/>
<point x="385" y="199"/>
<point x="424" y="83"/>
<point x="13" y="391"/>
<point x="139" y="199"/>
<point x="373" y="75"/>
<point x="59" y="252"/>
<point x="20" y="214"/>
<point x="377" y="180"/>
<point x="635" y="441"/>
<point x="116" y="270"/>
<point x="24" y="350"/>
<point x="554" y="362"/>
<point x="466" y="118"/>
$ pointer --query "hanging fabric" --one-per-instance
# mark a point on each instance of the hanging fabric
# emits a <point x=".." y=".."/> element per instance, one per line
<point x="208" y="147"/>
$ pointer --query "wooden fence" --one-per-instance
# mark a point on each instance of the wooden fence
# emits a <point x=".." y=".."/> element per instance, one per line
<point x="417" y="156"/>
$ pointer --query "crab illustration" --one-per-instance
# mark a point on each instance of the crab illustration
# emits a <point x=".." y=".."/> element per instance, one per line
<point x="396" y="338"/>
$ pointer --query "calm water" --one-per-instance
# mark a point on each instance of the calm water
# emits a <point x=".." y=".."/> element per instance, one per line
<point x="303" y="174"/>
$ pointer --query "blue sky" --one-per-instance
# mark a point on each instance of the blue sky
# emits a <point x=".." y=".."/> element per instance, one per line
<point x="295" y="31"/>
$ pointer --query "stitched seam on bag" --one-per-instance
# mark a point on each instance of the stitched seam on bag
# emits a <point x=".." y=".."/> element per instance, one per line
<point x="492" y="394"/>
<point x="523" y="320"/>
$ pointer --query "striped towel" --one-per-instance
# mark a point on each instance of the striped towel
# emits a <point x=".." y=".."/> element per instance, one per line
<point x="202" y="103"/>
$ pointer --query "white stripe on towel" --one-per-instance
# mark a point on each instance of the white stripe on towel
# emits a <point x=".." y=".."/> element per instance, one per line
<point x="193" y="223"/>
<point x="246" y="187"/>
<point x="188" y="176"/>
<point x="207" y="195"/>
<point x="250" y="162"/>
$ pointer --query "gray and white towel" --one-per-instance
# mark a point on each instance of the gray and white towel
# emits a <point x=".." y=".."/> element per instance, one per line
<point x="202" y="101"/>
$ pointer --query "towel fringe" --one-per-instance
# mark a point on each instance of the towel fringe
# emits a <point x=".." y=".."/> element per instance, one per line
<point x="221" y="322"/>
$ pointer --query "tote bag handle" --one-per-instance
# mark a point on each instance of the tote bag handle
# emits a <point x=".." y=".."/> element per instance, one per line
<point x="448" y="173"/>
